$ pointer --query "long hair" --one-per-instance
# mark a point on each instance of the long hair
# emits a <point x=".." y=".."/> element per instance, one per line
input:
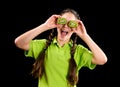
<point x="38" y="66"/>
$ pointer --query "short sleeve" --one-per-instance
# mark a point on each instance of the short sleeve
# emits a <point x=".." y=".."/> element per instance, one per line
<point x="83" y="57"/>
<point x="36" y="46"/>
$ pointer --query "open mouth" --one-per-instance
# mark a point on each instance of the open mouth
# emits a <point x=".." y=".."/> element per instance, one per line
<point x="64" y="33"/>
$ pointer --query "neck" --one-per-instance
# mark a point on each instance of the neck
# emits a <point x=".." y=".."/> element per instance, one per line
<point x="62" y="42"/>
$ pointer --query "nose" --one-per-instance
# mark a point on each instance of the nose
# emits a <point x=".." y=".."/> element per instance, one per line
<point x="66" y="25"/>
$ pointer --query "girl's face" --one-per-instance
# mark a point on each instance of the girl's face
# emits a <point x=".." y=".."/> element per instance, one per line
<point x="65" y="32"/>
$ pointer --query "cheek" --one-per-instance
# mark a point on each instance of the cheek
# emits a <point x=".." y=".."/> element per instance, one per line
<point x="71" y="29"/>
<point x="59" y="26"/>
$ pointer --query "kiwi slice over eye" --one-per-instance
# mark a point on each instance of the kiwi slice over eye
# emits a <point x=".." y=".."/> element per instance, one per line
<point x="61" y="21"/>
<point x="73" y="24"/>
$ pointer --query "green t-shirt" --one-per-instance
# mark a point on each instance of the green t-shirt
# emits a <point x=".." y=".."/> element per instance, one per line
<point x="57" y="61"/>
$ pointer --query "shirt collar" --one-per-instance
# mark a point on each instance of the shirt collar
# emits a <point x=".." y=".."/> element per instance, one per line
<point x="55" y="41"/>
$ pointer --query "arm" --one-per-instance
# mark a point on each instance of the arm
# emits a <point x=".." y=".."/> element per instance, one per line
<point x="23" y="40"/>
<point x="99" y="56"/>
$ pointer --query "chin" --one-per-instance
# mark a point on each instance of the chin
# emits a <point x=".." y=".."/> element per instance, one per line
<point x="64" y="38"/>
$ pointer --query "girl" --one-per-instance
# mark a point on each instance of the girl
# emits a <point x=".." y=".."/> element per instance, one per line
<point x="58" y="59"/>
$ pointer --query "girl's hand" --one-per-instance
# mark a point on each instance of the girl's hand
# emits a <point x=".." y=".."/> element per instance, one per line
<point x="51" y="21"/>
<point x="80" y="30"/>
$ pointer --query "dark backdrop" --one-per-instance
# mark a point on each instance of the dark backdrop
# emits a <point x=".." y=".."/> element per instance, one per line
<point x="17" y="17"/>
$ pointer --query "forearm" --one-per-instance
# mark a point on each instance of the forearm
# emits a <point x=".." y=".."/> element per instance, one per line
<point x="23" y="40"/>
<point x="99" y="56"/>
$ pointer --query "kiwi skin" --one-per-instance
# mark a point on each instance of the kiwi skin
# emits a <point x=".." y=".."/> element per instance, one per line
<point x="61" y="21"/>
<point x="73" y="24"/>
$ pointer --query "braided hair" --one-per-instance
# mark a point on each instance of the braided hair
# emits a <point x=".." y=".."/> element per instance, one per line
<point x="38" y="66"/>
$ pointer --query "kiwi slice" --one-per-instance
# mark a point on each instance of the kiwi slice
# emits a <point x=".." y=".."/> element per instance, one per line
<point x="72" y="24"/>
<point x="61" y="21"/>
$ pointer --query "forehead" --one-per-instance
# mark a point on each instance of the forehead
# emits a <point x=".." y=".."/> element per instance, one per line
<point x="69" y="16"/>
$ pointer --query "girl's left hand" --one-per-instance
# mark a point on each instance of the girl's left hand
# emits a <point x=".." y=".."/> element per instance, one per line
<point x="80" y="30"/>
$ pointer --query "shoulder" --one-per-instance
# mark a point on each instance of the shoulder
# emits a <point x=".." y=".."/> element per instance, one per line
<point x="81" y="48"/>
<point x="38" y="41"/>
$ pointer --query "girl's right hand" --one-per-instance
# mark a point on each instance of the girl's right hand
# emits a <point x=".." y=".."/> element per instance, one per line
<point x="51" y="21"/>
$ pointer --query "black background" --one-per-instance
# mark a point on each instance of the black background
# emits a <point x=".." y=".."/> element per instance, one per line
<point x="99" y="16"/>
